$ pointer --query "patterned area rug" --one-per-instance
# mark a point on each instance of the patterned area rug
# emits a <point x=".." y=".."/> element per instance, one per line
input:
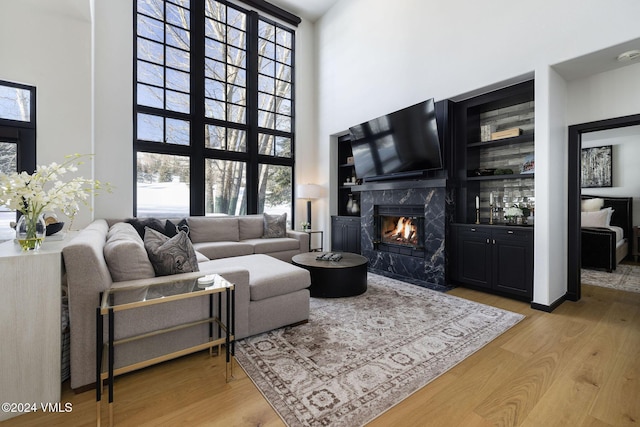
<point x="359" y="356"/>
<point x="624" y="277"/>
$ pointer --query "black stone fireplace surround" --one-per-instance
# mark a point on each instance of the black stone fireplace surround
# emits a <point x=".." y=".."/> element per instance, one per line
<point x="423" y="265"/>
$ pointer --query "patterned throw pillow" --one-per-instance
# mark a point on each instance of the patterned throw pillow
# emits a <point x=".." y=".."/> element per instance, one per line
<point x="170" y="255"/>
<point x="275" y="226"/>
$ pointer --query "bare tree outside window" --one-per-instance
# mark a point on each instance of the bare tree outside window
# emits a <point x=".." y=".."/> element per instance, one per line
<point x="165" y="54"/>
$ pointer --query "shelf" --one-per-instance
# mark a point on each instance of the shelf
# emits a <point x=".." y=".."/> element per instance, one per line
<point x="346" y="165"/>
<point x="499" y="177"/>
<point x="528" y="137"/>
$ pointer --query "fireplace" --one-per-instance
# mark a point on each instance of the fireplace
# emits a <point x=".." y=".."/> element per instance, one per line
<point x="399" y="229"/>
<point x="423" y="202"/>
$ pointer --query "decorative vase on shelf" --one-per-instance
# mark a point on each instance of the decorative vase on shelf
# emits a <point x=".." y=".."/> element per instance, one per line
<point x="355" y="208"/>
<point x="350" y="203"/>
<point x="30" y="231"/>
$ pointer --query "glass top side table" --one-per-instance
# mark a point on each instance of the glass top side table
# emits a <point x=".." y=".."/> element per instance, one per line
<point x="134" y="294"/>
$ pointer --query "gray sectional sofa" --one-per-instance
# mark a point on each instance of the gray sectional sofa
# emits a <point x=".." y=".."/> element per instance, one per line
<point x="270" y="293"/>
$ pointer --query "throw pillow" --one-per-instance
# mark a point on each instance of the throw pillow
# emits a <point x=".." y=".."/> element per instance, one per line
<point x="170" y="255"/>
<point x="591" y="205"/>
<point x="594" y="219"/>
<point x="275" y="226"/>
<point x="171" y="229"/>
<point x="140" y="223"/>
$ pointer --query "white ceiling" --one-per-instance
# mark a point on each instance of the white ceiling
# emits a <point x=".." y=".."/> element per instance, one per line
<point x="307" y="9"/>
<point x="597" y="62"/>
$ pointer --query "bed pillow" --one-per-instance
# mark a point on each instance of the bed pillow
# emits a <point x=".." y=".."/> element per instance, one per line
<point x="610" y="212"/>
<point x="591" y="205"/>
<point x="594" y="219"/>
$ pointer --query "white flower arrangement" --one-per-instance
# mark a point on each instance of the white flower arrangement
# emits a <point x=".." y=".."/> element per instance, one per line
<point x="513" y="212"/>
<point x="33" y="194"/>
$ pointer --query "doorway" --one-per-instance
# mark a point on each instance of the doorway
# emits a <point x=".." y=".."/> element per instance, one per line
<point x="575" y="170"/>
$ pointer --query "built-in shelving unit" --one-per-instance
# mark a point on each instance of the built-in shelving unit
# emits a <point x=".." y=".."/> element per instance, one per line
<point x="497" y="166"/>
<point x="345" y="227"/>
<point x="488" y="254"/>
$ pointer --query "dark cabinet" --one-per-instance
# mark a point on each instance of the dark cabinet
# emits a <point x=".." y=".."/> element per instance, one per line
<point x="492" y="257"/>
<point x="345" y="234"/>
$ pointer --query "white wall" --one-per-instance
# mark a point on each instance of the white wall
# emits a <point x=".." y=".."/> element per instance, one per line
<point x="604" y="95"/>
<point x="113" y="105"/>
<point x="50" y="48"/>
<point x="375" y="57"/>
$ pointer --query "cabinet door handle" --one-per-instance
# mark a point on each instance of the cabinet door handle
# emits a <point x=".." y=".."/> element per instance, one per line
<point x="494" y="241"/>
<point x="473" y="229"/>
<point x="487" y="240"/>
<point x="509" y="232"/>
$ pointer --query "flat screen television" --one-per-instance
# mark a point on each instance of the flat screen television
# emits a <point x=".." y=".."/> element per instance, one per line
<point x="403" y="143"/>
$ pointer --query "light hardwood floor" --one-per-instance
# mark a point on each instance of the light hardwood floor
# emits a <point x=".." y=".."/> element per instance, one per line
<point x="577" y="366"/>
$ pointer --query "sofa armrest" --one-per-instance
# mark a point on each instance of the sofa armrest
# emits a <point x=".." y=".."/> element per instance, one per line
<point x="302" y="237"/>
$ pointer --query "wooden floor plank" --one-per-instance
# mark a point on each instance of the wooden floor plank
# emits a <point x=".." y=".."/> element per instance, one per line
<point x="579" y="365"/>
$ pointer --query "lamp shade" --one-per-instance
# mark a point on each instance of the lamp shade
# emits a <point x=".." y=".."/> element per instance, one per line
<point x="309" y="191"/>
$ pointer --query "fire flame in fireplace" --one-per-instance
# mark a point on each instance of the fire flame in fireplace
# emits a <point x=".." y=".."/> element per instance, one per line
<point x="405" y="231"/>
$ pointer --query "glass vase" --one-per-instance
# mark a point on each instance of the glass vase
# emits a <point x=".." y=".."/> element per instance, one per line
<point x="350" y="203"/>
<point x="30" y="231"/>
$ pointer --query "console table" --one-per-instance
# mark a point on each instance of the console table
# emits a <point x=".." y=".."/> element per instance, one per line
<point x="30" y="318"/>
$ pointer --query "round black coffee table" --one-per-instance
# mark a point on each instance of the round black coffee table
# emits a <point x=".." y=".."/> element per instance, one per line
<point x="333" y="279"/>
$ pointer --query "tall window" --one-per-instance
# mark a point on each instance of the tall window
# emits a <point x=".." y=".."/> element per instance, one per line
<point x="17" y="138"/>
<point x="214" y="110"/>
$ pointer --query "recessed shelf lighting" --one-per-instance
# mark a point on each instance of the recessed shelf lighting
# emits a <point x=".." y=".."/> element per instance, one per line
<point x="629" y="55"/>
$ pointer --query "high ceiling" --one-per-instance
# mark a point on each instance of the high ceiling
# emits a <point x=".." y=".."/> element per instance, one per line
<point x="308" y="9"/>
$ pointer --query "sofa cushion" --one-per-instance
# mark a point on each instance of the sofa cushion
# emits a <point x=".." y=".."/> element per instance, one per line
<point x="208" y="229"/>
<point x="170" y="255"/>
<point x="251" y="226"/>
<point x="215" y="250"/>
<point x="266" y="246"/>
<point x="125" y="254"/>
<point x="275" y="226"/>
<point x="268" y="277"/>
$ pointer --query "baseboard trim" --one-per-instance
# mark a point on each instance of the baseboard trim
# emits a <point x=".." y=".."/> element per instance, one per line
<point x="549" y="308"/>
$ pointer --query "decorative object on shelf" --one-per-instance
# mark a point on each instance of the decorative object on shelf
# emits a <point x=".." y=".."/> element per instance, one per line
<point x="507" y="133"/>
<point x="33" y="194"/>
<point x="477" y="210"/>
<point x="350" y="160"/>
<point x="513" y="214"/>
<point x="597" y="167"/>
<point x="309" y="192"/>
<point x="529" y="164"/>
<point x="503" y="172"/>
<point x="483" y="172"/>
<point x="485" y="132"/>
<point x="350" y="203"/>
<point x="53" y="225"/>
<point x="355" y="207"/>
<point x="491" y="208"/>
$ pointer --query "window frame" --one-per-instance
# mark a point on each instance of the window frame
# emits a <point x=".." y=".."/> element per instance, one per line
<point x="196" y="150"/>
